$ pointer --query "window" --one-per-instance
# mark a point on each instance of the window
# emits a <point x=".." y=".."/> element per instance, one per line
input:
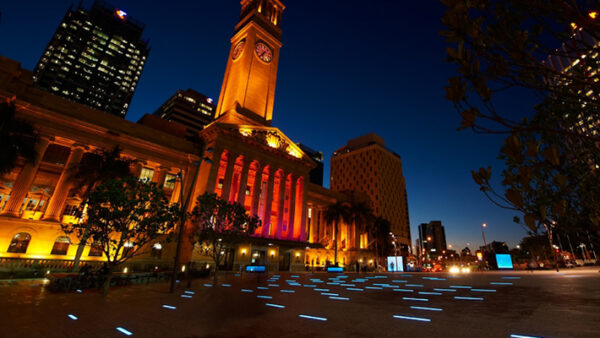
<point x="156" y="250"/>
<point x="95" y="250"/>
<point x="61" y="246"/>
<point x="146" y="175"/>
<point x="169" y="181"/>
<point x="19" y="243"/>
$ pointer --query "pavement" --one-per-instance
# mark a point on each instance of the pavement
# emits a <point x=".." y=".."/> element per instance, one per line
<point x="487" y="304"/>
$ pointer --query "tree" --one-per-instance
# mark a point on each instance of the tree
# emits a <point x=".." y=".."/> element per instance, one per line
<point x="380" y="232"/>
<point x="17" y="137"/>
<point x="543" y="50"/>
<point x="360" y="213"/>
<point x="123" y="215"/>
<point x="94" y="169"/>
<point x="220" y="225"/>
<point x="335" y="214"/>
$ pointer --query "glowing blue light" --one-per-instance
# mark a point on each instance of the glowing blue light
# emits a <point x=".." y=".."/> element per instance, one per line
<point x="287" y="291"/>
<point x="416" y="299"/>
<point x="169" y="307"/>
<point x="399" y="281"/>
<point x="483" y="290"/>
<point x="72" y="316"/>
<point x="499" y="283"/>
<point x="413" y="318"/>
<point x="190" y="292"/>
<point x="447" y="290"/>
<point x="522" y="336"/>
<point x="264" y="297"/>
<point x="275" y="305"/>
<point x="380" y="284"/>
<point x="274" y="285"/>
<point x="429" y="293"/>
<point x="322" y="290"/>
<point x="79" y="291"/>
<point x="247" y="290"/>
<point x="511" y="277"/>
<point x="333" y="283"/>
<point x="426" y="308"/>
<point x="504" y="261"/>
<point x="468" y="298"/>
<point x="434" y="278"/>
<point x="310" y="286"/>
<point x="347" y="284"/>
<point x="262" y="288"/>
<point x="295" y="276"/>
<point x="256" y="268"/>
<point x="313" y="317"/>
<point x="460" y="287"/>
<point x="335" y="269"/>
<point x="414" y="285"/>
<point x="339" y="298"/>
<point x="329" y="294"/>
<point x="226" y="285"/>
<point x="373" y="288"/>
<point x="405" y="275"/>
<point x="237" y="274"/>
<point x="186" y="296"/>
<point x="354" y="289"/>
<point x="208" y="285"/>
<point x="122" y="330"/>
<point x="404" y="290"/>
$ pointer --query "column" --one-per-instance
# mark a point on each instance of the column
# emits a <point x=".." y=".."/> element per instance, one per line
<point x="311" y="225"/>
<point x="256" y="188"/>
<point x="303" y="214"/>
<point x="214" y="170"/>
<point x="61" y="191"/>
<point x="137" y="168"/>
<point x="292" y="211"/>
<point x="268" y="204"/>
<point x="159" y="176"/>
<point x="176" y="191"/>
<point x="281" y="205"/>
<point x="228" y="176"/>
<point x="243" y="182"/>
<point x="322" y="225"/>
<point x="25" y="178"/>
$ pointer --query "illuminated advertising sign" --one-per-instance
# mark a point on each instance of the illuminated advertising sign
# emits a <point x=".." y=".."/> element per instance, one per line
<point x="395" y="263"/>
<point x="255" y="268"/>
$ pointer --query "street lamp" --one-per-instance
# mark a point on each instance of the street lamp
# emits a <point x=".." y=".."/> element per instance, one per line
<point x="483" y="226"/>
<point x="183" y="209"/>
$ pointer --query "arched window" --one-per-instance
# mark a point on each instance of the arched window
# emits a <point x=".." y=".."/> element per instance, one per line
<point x="61" y="246"/>
<point x="156" y="250"/>
<point x="95" y="250"/>
<point x="19" y="243"/>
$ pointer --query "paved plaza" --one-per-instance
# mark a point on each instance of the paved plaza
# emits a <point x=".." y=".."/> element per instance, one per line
<point x="492" y="304"/>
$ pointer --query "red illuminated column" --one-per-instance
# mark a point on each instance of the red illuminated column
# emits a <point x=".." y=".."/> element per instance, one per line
<point x="57" y="201"/>
<point x="228" y="176"/>
<point x="243" y="182"/>
<point x="256" y="189"/>
<point x="214" y="170"/>
<point x="291" y="212"/>
<point x="25" y="178"/>
<point x="266" y="232"/>
<point x="281" y="205"/>
<point x="303" y="214"/>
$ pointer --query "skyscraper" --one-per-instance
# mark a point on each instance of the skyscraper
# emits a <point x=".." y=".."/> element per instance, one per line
<point x="432" y="239"/>
<point x="188" y="108"/>
<point x="95" y="58"/>
<point x="364" y="164"/>
<point x="316" y="174"/>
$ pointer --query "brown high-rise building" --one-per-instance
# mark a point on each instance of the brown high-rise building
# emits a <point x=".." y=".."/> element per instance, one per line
<point x="190" y="109"/>
<point x="364" y="164"/>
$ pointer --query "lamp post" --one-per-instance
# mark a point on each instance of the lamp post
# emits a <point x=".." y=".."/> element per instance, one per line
<point x="183" y="210"/>
<point x="483" y="226"/>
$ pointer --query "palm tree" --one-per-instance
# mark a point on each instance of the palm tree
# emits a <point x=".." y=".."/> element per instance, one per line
<point x="336" y="213"/>
<point x="360" y="212"/>
<point x="380" y="231"/>
<point x="94" y="169"/>
<point x="17" y="137"/>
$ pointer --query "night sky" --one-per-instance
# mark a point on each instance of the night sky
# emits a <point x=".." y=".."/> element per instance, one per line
<point x="346" y="68"/>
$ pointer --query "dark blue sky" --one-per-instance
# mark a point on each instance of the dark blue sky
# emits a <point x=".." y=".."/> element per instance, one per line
<point x="346" y="68"/>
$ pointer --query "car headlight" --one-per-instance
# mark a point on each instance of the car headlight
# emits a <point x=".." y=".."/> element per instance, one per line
<point x="465" y="270"/>
<point x="454" y="269"/>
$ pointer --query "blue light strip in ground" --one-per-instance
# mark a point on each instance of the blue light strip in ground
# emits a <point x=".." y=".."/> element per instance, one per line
<point x="416" y="299"/>
<point x="186" y="296"/>
<point x="170" y="307"/>
<point x="522" y="336"/>
<point x="310" y="286"/>
<point x="264" y="297"/>
<point x="499" y="283"/>
<point x="322" y="290"/>
<point x="405" y="275"/>
<point x="483" y="290"/>
<point x="79" y="291"/>
<point x="72" y="316"/>
<point x="329" y="294"/>
<point x="189" y="292"/>
<point x="445" y="290"/>
<point x="413" y="318"/>
<point x="237" y="274"/>
<point x="323" y="319"/>
<point x="414" y="285"/>
<point x="275" y="305"/>
<point x="399" y="281"/>
<point x="511" y="277"/>
<point x="426" y="308"/>
<point x="380" y="284"/>
<point x="429" y="293"/>
<point x="274" y="285"/>
<point x="124" y="331"/>
<point x="468" y="298"/>
<point x="354" y="289"/>
<point x="333" y="283"/>
<point x="373" y="288"/>
<point x="460" y="287"/>
<point x="347" y="284"/>
<point x="247" y="290"/>
<point x="434" y="278"/>
<point x="287" y="291"/>
<point x="404" y="290"/>
<point x="262" y="288"/>
<point x="208" y="285"/>
<point x="295" y="276"/>
<point x="339" y="298"/>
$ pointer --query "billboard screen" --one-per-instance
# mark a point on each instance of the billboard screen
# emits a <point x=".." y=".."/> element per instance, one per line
<point x="504" y="261"/>
<point x="395" y="263"/>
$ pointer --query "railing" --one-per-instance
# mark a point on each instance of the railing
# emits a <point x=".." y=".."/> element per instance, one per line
<point x="9" y="264"/>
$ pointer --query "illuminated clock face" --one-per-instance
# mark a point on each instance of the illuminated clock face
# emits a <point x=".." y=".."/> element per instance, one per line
<point x="239" y="48"/>
<point x="264" y="52"/>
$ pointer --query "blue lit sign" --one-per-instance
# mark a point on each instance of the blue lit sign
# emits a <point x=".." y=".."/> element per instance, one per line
<point x="256" y="268"/>
<point x="504" y="261"/>
<point x="335" y="269"/>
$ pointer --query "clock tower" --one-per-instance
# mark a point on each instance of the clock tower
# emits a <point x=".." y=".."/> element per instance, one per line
<point x="248" y="88"/>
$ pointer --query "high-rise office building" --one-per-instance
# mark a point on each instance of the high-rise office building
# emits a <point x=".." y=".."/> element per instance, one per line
<point x="364" y="164"/>
<point x="190" y="109"/>
<point x="316" y="174"/>
<point x="432" y="239"/>
<point x="95" y="58"/>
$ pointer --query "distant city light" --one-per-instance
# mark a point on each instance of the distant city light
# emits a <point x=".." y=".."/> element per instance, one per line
<point x="122" y="330"/>
<point x="121" y="14"/>
<point x="72" y="316"/>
